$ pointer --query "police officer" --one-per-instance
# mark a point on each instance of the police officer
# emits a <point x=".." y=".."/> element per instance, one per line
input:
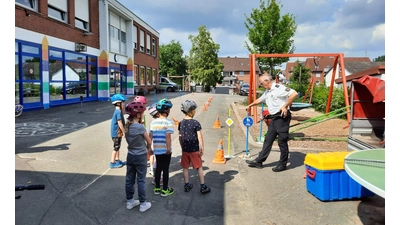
<point x="278" y="98"/>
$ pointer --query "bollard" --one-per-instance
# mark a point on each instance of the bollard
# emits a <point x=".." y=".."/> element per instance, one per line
<point x="81" y="99"/>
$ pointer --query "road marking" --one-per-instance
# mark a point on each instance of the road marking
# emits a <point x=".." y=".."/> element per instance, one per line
<point x="43" y="128"/>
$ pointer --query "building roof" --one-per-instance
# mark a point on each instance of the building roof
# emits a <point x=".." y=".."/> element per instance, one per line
<point x="357" y="66"/>
<point x="376" y="68"/>
<point x="237" y="64"/>
<point x="327" y="62"/>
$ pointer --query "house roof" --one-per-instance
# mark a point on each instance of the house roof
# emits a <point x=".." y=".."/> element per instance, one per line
<point x="357" y="66"/>
<point x="376" y="68"/>
<point x="327" y="62"/>
<point x="236" y="64"/>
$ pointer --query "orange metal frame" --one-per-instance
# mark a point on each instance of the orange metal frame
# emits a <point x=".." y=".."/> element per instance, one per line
<point x="254" y="81"/>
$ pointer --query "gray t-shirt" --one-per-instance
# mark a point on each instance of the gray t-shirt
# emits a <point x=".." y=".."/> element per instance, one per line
<point x="135" y="139"/>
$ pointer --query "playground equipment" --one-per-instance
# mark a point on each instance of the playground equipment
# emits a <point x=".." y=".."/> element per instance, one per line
<point x="337" y="56"/>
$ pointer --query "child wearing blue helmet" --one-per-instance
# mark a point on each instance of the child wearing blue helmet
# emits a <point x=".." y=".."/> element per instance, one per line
<point x="117" y="129"/>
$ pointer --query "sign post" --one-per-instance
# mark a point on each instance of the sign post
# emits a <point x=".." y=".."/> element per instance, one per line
<point x="229" y="122"/>
<point x="248" y="122"/>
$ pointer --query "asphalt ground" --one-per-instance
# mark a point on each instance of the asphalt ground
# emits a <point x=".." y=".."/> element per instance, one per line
<point x="68" y="149"/>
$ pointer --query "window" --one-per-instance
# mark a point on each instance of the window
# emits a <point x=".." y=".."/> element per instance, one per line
<point x="135" y="75"/>
<point x="153" y="77"/>
<point x="58" y="9"/>
<point x="134" y="37"/>
<point x="141" y="76"/>
<point x="114" y="39"/>
<point x="117" y="34"/>
<point x="82" y="14"/>
<point x="241" y="73"/>
<point x="141" y="41"/>
<point x="153" y="50"/>
<point x="317" y="75"/>
<point x="31" y="4"/>
<point x="148" y="76"/>
<point x="148" y="45"/>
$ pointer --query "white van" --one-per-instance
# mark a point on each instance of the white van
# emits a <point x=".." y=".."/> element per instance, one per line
<point x="167" y="84"/>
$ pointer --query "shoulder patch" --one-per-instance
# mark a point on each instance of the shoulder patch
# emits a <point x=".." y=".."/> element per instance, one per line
<point x="287" y="89"/>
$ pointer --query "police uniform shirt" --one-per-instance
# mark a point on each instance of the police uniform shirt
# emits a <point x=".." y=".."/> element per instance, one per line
<point x="276" y="97"/>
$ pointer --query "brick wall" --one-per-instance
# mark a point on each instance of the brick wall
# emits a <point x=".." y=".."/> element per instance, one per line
<point x="40" y="22"/>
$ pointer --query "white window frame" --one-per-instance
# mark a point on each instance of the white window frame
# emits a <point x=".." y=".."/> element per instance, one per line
<point x="141" y="40"/>
<point x="134" y="37"/>
<point x="30" y="4"/>
<point x="82" y="14"/>
<point x="60" y="8"/>
<point x="148" y="44"/>
<point x="154" y="47"/>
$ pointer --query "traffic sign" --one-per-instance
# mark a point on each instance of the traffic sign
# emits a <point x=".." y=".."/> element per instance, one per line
<point x="229" y="122"/>
<point x="248" y="121"/>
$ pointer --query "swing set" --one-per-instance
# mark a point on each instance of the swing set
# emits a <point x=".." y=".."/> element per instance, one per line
<point x="338" y="57"/>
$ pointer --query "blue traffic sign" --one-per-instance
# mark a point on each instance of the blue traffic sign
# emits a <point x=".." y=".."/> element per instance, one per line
<point x="248" y="121"/>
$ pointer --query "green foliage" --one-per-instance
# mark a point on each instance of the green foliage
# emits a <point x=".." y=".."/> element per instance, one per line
<point x="300" y="78"/>
<point x="269" y="33"/>
<point x="320" y="98"/>
<point x="380" y="59"/>
<point x="172" y="62"/>
<point x="203" y="64"/>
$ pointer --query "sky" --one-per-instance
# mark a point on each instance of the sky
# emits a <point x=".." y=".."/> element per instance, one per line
<point x="355" y="28"/>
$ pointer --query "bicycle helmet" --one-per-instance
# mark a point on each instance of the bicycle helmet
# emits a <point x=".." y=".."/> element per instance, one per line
<point x="163" y="105"/>
<point x="118" y="98"/>
<point x="152" y="109"/>
<point x="134" y="108"/>
<point x="188" y="105"/>
<point x="141" y="99"/>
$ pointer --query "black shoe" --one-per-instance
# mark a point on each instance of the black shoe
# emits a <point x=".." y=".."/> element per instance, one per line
<point x="279" y="168"/>
<point x="205" y="189"/>
<point x="253" y="163"/>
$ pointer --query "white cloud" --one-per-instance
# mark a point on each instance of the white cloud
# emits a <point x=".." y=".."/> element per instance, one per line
<point x="378" y="33"/>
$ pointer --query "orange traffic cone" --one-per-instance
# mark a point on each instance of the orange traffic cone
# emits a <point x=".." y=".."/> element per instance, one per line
<point x="176" y="122"/>
<point x="204" y="107"/>
<point x="208" y="103"/>
<point x="219" y="154"/>
<point x="217" y="123"/>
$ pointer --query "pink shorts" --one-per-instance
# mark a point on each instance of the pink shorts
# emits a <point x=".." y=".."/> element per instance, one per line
<point x="191" y="157"/>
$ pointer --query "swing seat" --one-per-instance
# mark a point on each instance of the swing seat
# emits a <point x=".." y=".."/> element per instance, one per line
<point x="296" y="106"/>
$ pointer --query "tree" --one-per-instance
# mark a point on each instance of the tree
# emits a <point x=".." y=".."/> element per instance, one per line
<point x="172" y="61"/>
<point x="380" y="59"/>
<point x="268" y="33"/>
<point x="300" y="78"/>
<point x="203" y="63"/>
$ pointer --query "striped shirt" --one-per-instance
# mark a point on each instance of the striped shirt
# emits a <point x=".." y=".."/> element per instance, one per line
<point x="159" y="128"/>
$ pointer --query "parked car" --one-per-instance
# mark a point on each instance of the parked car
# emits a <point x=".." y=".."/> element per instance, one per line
<point x="75" y="88"/>
<point x="244" y="89"/>
<point x="167" y="84"/>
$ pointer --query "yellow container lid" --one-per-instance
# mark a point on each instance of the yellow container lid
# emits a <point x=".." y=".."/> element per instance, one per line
<point x="326" y="160"/>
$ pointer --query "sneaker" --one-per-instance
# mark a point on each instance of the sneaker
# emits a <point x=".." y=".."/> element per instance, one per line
<point x="151" y="173"/>
<point x="156" y="191"/>
<point x="115" y="165"/>
<point x="132" y="203"/>
<point x="188" y="187"/>
<point x="120" y="162"/>
<point x="144" y="206"/>
<point x="167" y="192"/>
<point x="205" y="189"/>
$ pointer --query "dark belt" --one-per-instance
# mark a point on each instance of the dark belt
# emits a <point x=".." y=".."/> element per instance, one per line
<point x="273" y="116"/>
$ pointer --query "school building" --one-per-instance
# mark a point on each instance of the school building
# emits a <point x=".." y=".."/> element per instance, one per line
<point x="72" y="50"/>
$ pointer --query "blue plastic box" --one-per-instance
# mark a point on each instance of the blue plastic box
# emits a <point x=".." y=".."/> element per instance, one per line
<point x="327" y="180"/>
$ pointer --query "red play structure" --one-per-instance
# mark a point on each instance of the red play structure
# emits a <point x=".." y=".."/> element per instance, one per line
<point x="337" y="57"/>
